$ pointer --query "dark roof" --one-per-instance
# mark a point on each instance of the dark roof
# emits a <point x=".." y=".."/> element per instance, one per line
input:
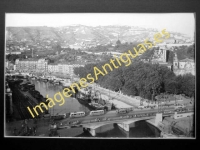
<point x="186" y="60"/>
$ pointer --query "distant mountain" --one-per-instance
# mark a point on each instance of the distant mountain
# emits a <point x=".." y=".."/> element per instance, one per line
<point x="79" y="34"/>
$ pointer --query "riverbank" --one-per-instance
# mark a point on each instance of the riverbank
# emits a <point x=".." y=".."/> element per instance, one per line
<point x="42" y="128"/>
<point x="174" y="128"/>
<point x="135" y="101"/>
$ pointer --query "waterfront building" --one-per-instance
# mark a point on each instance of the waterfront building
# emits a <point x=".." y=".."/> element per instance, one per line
<point x="66" y="68"/>
<point x="42" y="65"/>
<point x="52" y="68"/>
<point x="56" y="68"/>
<point x="31" y="65"/>
<point x="25" y="65"/>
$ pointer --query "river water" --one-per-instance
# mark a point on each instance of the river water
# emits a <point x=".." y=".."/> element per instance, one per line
<point x="141" y="130"/>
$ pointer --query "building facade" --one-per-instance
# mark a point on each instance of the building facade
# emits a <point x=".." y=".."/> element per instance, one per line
<point x="52" y="68"/>
<point x="32" y="65"/>
<point x="184" y="66"/>
<point x="67" y="68"/>
<point x="160" y="57"/>
<point x="42" y="66"/>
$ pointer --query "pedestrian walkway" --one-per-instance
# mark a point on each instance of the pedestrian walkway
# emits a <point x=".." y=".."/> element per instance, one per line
<point x="107" y="94"/>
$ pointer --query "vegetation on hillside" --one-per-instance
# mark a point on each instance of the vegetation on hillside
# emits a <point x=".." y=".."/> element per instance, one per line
<point x="142" y="79"/>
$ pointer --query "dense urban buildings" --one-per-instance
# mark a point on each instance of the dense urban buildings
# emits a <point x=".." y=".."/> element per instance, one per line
<point x="42" y="66"/>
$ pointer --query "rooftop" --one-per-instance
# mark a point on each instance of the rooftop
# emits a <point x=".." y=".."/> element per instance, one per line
<point x="186" y="60"/>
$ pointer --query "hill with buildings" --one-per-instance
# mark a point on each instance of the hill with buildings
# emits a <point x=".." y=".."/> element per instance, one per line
<point x="79" y="36"/>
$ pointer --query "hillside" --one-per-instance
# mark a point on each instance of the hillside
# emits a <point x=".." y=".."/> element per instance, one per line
<point x="79" y="34"/>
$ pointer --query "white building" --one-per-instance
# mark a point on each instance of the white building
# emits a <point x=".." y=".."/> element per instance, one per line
<point x="52" y="68"/>
<point x="184" y="66"/>
<point x="29" y="65"/>
<point x="67" y="68"/>
<point x="42" y="65"/>
<point x="16" y="53"/>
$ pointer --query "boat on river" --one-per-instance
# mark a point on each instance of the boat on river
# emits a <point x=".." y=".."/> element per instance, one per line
<point x="85" y="99"/>
<point x="96" y="106"/>
<point x="43" y="78"/>
<point x="33" y="78"/>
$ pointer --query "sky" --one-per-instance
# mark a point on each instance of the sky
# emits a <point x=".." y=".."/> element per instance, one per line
<point x="178" y="22"/>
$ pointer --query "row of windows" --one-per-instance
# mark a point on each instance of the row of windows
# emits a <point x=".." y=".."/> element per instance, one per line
<point x="32" y="67"/>
<point x="31" y="64"/>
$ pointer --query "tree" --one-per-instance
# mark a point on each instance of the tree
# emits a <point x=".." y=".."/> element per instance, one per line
<point x="191" y="52"/>
<point x="118" y="42"/>
<point x="170" y="56"/>
<point x="187" y="84"/>
<point x="171" y="86"/>
<point x="146" y="80"/>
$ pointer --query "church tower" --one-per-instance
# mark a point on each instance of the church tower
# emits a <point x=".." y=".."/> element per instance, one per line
<point x="175" y="62"/>
<point x="164" y="55"/>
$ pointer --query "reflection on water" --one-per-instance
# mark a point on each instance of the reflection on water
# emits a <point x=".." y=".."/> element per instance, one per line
<point x="70" y="105"/>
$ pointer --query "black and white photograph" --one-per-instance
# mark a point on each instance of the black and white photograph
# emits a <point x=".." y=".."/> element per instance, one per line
<point x="100" y="75"/>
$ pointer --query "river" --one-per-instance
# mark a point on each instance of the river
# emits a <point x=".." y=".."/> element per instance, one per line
<point x="141" y="130"/>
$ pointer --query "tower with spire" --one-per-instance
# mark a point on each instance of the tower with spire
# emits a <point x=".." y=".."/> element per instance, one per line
<point x="175" y="62"/>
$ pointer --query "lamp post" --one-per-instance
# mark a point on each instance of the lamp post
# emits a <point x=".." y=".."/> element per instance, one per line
<point x="175" y="97"/>
<point x="109" y="93"/>
<point x="164" y="101"/>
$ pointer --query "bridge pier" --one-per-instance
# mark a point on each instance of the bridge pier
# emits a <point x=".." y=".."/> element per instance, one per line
<point x="124" y="132"/>
<point x="158" y="119"/>
<point x="124" y="126"/>
<point x="91" y="131"/>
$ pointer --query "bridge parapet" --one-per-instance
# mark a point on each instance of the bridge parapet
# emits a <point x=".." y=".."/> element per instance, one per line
<point x="97" y="121"/>
<point x="124" y="124"/>
<point x="178" y="116"/>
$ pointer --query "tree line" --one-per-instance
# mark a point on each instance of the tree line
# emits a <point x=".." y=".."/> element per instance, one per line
<point x="142" y="79"/>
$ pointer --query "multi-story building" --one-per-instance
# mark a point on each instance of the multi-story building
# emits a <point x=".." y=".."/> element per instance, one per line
<point x="52" y="68"/>
<point x="42" y="66"/>
<point x="31" y="65"/>
<point x="65" y="68"/>
<point x="160" y="57"/>
<point x="56" y="68"/>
